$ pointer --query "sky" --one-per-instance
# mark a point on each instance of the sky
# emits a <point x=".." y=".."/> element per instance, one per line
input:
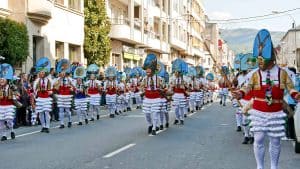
<point x="231" y="9"/>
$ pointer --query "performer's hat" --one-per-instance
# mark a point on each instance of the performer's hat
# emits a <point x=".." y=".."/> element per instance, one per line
<point x="179" y="66"/>
<point x="263" y="45"/>
<point x="63" y="66"/>
<point x="111" y="72"/>
<point x="6" y="71"/>
<point x="210" y="76"/>
<point x="200" y="70"/>
<point x="79" y="72"/>
<point x="43" y="65"/>
<point x="150" y="62"/>
<point x="93" y="69"/>
<point x="192" y="71"/>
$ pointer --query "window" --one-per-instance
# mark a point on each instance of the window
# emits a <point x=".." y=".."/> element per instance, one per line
<point x="60" y="2"/>
<point x="137" y="12"/>
<point x="75" y="4"/>
<point x="59" y="50"/>
<point x="74" y="52"/>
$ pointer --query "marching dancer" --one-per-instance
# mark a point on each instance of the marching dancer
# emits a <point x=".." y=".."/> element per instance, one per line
<point x="43" y="90"/>
<point x="110" y="87"/>
<point x="80" y="99"/>
<point x="178" y="86"/>
<point x="64" y="88"/>
<point x="93" y="91"/>
<point x="151" y="87"/>
<point x="267" y="85"/>
<point x="7" y="97"/>
<point x="224" y="85"/>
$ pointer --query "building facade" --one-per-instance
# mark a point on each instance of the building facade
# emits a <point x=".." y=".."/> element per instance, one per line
<point x="289" y="54"/>
<point x="55" y="28"/>
<point x="168" y="28"/>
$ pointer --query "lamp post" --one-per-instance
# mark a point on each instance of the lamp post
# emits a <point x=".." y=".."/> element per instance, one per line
<point x="295" y="36"/>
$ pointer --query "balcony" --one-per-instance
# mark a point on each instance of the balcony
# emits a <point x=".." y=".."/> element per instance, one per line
<point x="40" y="11"/>
<point x="120" y="30"/>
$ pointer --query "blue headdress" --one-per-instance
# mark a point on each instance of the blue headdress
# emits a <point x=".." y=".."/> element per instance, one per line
<point x="141" y="72"/>
<point x="210" y="76"/>
<point x="161" y="69"/>
<point x="63" y="66"/>
<point x="79" y="72"/>
<point x="111" y="72"/>
<point x="263" y="45"/>
<point x="43" y="64"/>
<point x="93" y="69"/>
<point x="6" y="71"/>
<point x="200" y="70"/>
<point x="150" y="62"/>
<point x="224" y="70"/>
<point x="192" y="71"/>
<point x="127" y="70"/>
<point x="180" y="66"/>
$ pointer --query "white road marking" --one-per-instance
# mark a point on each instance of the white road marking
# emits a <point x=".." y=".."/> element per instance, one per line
<point x="38" y="131"/>
<point x="119" y="150"/>
<point x="136" y="116"/>
<point x="26" y="134"/>
<point x="157" y="132"/>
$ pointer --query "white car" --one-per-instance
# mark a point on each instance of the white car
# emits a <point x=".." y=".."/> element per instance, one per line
<point x="297" y="128"/>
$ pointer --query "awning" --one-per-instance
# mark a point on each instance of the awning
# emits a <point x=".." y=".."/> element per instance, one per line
<point x="129" y="56"/>
<point x="137" y="57"/>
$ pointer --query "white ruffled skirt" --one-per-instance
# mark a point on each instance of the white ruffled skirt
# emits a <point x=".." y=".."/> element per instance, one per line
<point x="179" y="100"/>
<point x="271" y="123"/>
<point x="7" y="112"/>
<point x="95" y="99"/>
<point x="152" y="105"/>
<point x="43" y="104"/>
<point x="64" y="101"/>
<point x="81" y="104"/>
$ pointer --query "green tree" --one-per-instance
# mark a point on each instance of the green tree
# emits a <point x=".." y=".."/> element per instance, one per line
<point x="96" y="28"/>
<point x="14" y="41"/>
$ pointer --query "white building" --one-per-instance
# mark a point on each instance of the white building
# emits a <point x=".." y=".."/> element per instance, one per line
<point x="55" y="28"/>
<point x="168" y="28"/>
<point x="290" y="49"/>
<point x="138" y="28"/>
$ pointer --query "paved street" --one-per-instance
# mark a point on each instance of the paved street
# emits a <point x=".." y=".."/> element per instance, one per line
<point x="208" y="140"/>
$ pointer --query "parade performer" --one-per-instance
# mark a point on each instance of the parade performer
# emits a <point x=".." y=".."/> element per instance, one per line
<point x="193" y="88"/>
<point x="164" y="112"/>
<point x="224" y="84"/>
<point x="64" y="88"/>
<point x="93" y="91"/>
<point x="178" y="86"/>
<point x="80" y="99"/>
<point x="135" y="83"/>
<point x="7" y="99"/>
<point x="110" y="87"/>
<point x="267" y="85"/>
<point x="151" y="88"/>
<point x="211" y="86"/>
<point x="42" y="88"/>
<point x="200" y="82"/>
<point x="127" y="91"/>
<point x="121" y="95"/>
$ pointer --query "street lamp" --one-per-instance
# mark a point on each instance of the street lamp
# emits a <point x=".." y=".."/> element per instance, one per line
<point x="295" y="36"/>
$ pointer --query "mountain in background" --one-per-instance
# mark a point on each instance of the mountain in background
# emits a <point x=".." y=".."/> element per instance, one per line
<point x="241" y="40"/>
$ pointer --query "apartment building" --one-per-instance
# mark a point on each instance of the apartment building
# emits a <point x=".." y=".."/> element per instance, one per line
<point x="138" y="27"/>
<point x="55" y="28"/>
<point x="289" y="54"/>
<point x="187" y="30"/>
<point x="168" y="28"/>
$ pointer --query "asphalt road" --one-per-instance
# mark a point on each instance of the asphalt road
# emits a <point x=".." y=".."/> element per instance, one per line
<point x="208" y="140"/>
